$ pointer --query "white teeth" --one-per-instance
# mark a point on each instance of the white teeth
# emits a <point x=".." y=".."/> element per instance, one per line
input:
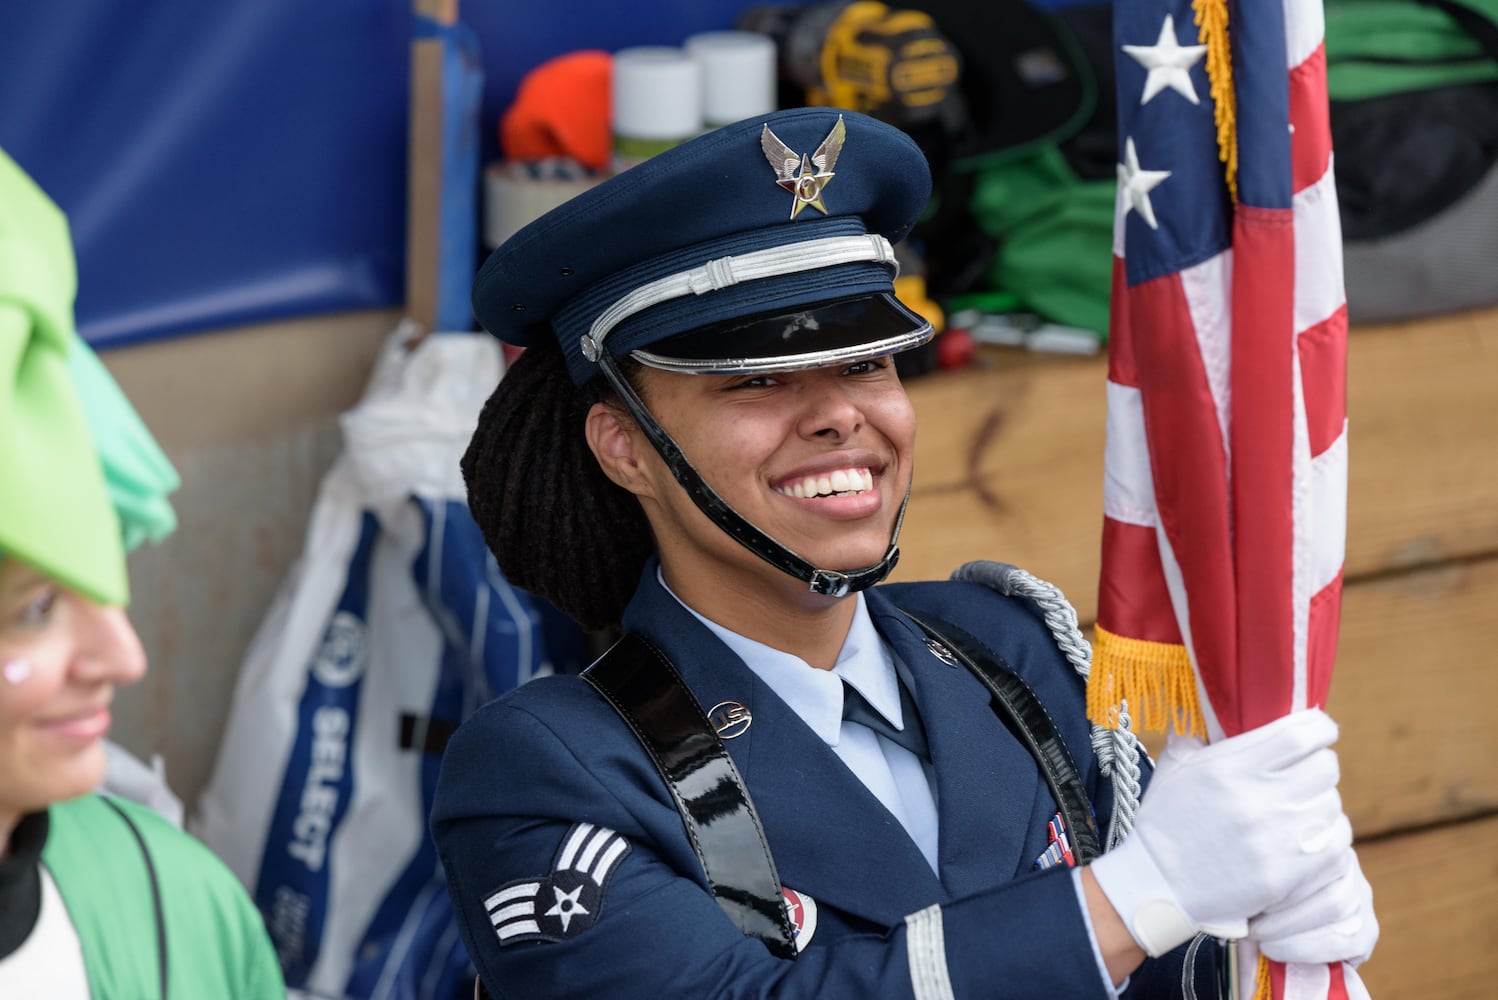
<point x="839" y="482"/>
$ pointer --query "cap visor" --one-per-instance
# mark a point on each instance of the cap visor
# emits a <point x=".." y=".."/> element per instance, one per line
<point x="828" y="333"/>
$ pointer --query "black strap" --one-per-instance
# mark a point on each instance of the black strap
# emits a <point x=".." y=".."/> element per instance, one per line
<point x="640" y="683"/>
<point x="155" y="890"/>
<point x="1026" y="716"/>
<point x="424" y="733"/>
<point x="719" y="818"/>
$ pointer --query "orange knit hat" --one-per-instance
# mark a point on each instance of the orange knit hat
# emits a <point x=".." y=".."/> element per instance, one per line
<point x="562" y="109"/>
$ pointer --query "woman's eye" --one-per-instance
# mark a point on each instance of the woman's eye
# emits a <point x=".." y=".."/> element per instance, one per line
<point x="754" y="382"/>
<point x="38" y="610"/>
<point x="864" y="367"/>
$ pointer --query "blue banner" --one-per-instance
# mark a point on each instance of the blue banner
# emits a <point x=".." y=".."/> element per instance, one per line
<point x="292" y="890"/>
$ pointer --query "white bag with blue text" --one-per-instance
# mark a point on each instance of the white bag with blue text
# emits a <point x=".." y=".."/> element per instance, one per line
<point x="393" y="627"/>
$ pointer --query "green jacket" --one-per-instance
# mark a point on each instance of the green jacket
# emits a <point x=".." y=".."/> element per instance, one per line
<point x="216" y="944"/>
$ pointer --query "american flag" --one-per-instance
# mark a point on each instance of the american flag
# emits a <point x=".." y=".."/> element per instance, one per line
<point x="1226" y="464"/>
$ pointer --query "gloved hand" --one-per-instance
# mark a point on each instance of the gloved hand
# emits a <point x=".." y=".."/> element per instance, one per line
<point x="1334" y="923"/>
<point x="1229" y="830"/>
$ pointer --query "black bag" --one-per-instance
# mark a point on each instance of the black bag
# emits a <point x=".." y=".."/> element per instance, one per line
<point x="1414" y="120"/>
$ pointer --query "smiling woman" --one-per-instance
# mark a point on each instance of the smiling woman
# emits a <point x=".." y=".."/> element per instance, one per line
<point x="784" y="780"/>
<point x="98" y="897"/>
<point x="783" y="452"/>
<point x="61" y="656"/>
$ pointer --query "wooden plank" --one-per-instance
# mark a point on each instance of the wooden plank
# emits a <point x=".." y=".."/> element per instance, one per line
<point x="1414" y="691"/>
<point x="251" y="382"/>
<point x="424" y="166"/>
<point x="1009" y="466"/>
<point x="1423" y="415"/>
<point x="1436" y="896"/>
<point x="1009" y="459"/>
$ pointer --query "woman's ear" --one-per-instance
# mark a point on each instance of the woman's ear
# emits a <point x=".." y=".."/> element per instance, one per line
<point x="614" y="438"/>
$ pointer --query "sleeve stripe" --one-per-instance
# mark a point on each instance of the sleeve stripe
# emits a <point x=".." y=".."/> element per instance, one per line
<point x="510" y="893"/>
<point x="600" y="838"/>
<point x="609" y="858"/>
<point x="925" y="948"/>
<point x="518" y="927"/>
<point x="525" y="909"/>
<point x="575" y="840"/>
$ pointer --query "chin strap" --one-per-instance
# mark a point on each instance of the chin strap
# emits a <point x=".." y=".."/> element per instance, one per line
<point x="821" y="581"/>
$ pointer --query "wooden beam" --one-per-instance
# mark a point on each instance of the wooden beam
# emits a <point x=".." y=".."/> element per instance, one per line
<point x="424" y="167"/>
<point x="1009" y="459"/>
<point x="1423" y="415"/>
<point x="1008" y="466"/>
<point x="1414" y="691"/>
<point x="1436" y="896"/>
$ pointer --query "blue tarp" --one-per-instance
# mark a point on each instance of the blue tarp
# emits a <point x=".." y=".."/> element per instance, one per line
<point x="245" y="160"/>
<point x="220" y="163"/>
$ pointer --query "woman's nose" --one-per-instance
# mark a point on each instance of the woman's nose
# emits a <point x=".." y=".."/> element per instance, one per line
<point x="108" y="647"/>
<point x="830" y="411"/>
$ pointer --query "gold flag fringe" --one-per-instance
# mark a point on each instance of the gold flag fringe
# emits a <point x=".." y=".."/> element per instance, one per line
<point x="1263" y="988"/>
<point x="1212" y="31"/>
<point x="1155" y="678"/>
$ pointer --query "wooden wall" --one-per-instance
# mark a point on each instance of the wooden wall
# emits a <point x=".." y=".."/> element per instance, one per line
<point x="1008" y="467"/>
<point x="250" y="418"/>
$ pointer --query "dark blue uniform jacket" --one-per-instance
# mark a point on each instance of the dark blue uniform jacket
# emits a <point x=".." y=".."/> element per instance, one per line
<point x="522" y="773"/>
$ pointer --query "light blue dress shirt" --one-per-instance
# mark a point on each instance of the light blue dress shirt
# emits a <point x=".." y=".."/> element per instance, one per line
<point x="891" y="773"/>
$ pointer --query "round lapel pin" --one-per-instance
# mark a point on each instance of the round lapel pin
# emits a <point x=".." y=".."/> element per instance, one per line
<point x="802" y="910"/>
<point x="729" y="719"/>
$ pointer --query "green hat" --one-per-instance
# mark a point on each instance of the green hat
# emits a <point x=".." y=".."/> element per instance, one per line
<point x="137" y="475"/>
<point x="55" y="511"/>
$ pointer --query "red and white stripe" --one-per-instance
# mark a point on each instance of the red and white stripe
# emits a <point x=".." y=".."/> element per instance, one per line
<point x="1266" y="547"/>
<point x="1226" y="460"/>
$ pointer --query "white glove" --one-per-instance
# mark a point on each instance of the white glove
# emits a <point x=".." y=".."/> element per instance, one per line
<point x="1226" y="831"/>
<point x="1334" y="923"/>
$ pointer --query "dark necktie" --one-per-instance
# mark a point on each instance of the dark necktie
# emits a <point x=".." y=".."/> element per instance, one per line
<point x="913" y="737"/>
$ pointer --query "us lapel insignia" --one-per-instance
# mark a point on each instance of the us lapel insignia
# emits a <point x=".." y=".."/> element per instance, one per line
<point x="567" y="901"/>
<point x="804" y="176"/>
<point x="729" y="719"/>
<point x="802" y="910"/>
<point x="1058" y="850"/>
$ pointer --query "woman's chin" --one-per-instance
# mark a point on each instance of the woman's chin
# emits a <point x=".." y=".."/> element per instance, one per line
<point x="82" y="774"/>
<point x="856" y="554"/>
<point x="847" y="560"/>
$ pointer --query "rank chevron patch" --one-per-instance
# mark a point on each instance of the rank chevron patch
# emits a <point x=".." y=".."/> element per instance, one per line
<point x="565" y="903"/>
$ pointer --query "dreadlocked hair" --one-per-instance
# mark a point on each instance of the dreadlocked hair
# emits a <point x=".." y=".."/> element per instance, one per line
<point x="557" y="526"/>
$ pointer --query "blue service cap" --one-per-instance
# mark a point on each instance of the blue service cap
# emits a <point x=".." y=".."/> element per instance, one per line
<point x="761" y="246"/>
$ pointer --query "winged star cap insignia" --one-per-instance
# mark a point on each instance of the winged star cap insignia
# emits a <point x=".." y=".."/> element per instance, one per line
<point x="804" y="176"/>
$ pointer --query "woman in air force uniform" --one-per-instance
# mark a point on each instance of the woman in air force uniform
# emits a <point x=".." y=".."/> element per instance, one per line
<point x="783" y="782"/>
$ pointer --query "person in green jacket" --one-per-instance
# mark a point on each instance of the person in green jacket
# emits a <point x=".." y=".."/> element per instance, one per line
<point x="99" y="897"/>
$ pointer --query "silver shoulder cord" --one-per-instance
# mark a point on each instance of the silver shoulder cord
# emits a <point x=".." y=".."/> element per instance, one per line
<point x="1118" y="750"/>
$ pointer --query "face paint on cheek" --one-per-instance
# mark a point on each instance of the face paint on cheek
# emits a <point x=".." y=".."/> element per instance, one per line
<point x="15" y="671"/>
